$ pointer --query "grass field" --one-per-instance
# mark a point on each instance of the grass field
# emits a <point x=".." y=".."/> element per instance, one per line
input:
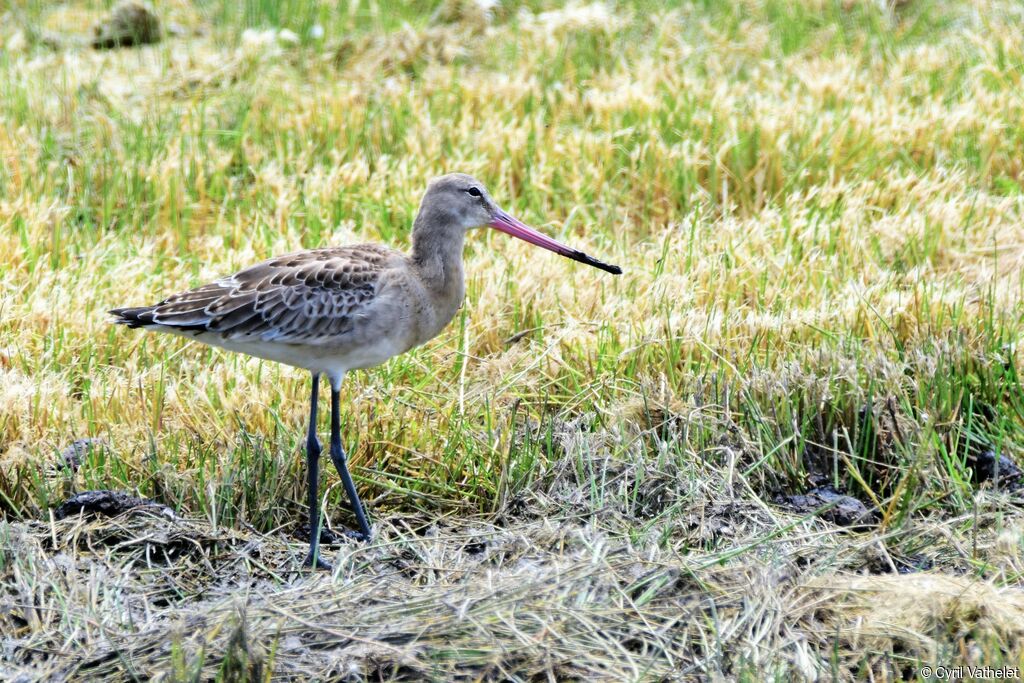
<point x="818" y="208"/>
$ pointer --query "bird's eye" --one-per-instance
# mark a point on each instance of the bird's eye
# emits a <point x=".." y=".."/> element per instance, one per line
<point x="474" y="191"/>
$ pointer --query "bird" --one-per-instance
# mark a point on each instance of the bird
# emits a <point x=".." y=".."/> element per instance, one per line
<point x="335" y="309"/>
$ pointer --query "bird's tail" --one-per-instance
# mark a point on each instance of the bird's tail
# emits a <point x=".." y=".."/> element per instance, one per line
<point x="140" y="316"/>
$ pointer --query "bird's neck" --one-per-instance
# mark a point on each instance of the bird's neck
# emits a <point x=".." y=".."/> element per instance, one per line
<point x="437" y="255"/>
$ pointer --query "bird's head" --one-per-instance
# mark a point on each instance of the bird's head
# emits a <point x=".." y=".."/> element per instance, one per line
<point x="460" y="200"/>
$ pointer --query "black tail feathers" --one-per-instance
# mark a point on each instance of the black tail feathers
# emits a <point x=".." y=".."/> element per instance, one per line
<point x="139" y="316"/>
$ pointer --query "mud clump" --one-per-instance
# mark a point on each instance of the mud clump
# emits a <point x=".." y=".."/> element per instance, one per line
<point x="830" y="505"/>
<point x="1000" y="470"/>
<point x="106" y="504"/>
<point x="130" y="24"/>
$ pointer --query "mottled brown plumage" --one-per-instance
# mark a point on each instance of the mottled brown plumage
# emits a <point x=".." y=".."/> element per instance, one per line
<point x="308" y="297"/>
<point x="335" y="309"/>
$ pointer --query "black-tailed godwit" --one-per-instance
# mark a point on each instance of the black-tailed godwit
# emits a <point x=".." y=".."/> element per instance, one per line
<point x="335" y="309"/>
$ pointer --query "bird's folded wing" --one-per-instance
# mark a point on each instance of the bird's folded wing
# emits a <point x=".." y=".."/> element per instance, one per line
<point x="312" y="297"/>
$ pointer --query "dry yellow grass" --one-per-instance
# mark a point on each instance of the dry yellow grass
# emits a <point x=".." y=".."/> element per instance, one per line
<point x="818" y="207"/>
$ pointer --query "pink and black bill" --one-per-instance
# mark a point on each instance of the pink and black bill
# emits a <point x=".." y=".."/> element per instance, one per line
<point x="517" y="228"/>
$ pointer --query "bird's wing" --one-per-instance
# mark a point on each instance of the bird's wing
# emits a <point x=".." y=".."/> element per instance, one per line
<point x="311" y="297"/>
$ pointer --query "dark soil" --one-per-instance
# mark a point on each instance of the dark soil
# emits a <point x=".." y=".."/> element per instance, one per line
<point x="1001" y="471"/>
<point x="106" y="504"/>
<point x="830" y="505"/>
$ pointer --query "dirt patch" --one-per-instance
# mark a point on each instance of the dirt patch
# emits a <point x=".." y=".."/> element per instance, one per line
<point x="831" y="505"/>
<point x="107" y="504"/>
<point x="998" y="469"/>
<point x="714" y="524"/>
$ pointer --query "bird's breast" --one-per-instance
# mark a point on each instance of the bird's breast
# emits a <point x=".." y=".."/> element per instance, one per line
<point x="433" y="298"/>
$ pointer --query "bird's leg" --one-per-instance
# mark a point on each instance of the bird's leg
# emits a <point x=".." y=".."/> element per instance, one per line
<point x="339" y="460"/>
<point x="313" y="449"/>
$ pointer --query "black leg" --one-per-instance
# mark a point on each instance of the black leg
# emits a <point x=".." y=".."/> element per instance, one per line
<point x="313" y="559"/>
<point x="338" y="458"/>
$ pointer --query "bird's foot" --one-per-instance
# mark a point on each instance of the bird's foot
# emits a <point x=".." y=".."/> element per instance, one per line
<point x="353" y="535"/>
<point x="321" y="563"/>
<point x="327" y="537"/>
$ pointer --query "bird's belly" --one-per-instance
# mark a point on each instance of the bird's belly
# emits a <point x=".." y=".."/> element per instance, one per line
<point x="322" y="359"/>
<point x="369" y="355"/>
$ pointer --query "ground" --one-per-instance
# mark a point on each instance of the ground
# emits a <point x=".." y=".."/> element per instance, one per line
<point x="783" y="444"/>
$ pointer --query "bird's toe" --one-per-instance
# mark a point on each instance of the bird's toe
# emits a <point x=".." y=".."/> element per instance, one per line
<point x="320" y="563"/>
<point x="354" y="535"/>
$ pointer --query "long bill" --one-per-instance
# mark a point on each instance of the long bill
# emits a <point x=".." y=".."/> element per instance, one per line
<point x="517" y="228"/>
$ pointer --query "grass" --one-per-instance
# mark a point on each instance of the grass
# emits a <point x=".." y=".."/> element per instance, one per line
<point x="817" y="206"/>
